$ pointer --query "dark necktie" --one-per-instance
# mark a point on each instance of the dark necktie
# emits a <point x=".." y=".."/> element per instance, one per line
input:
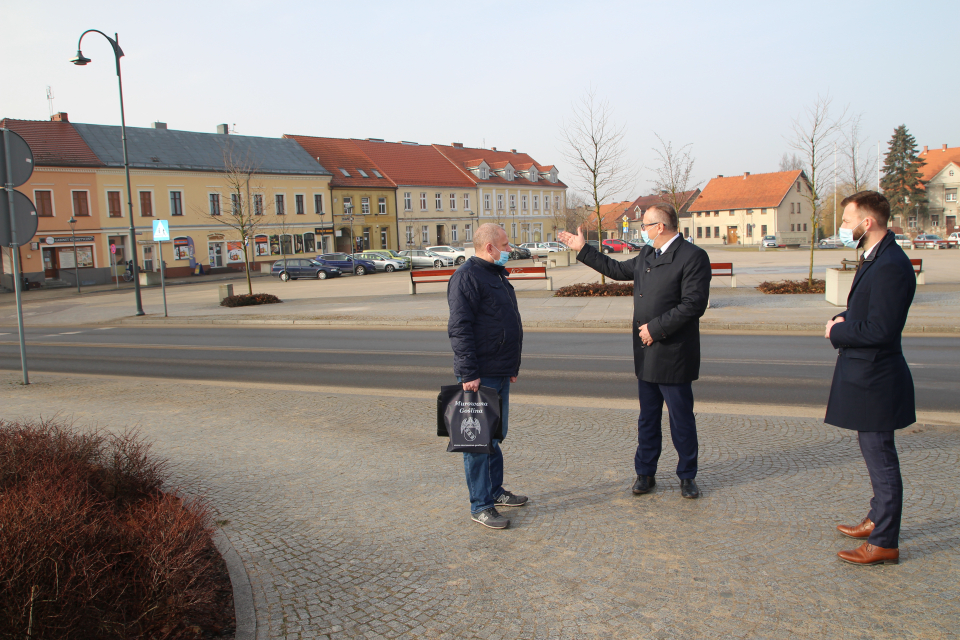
<point x="657" y="253"/>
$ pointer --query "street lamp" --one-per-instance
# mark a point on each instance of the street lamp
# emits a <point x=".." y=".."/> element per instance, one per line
<point x="82" y="60"/>
<point x="76" y="264"/>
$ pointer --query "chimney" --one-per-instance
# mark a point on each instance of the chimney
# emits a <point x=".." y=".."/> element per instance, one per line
<point x="513" y="150"/>
<point x="943" y="149"/>
<point x="59" y="117"/>
<point x="493" y="148"/>
<point x="223" y="128"/>
<point x="159" y="125"/>
<point x="720" y="176"/>
<point x="457" y="145"/>
<point x="924" y="150"/>
<point x="745" y="174"/>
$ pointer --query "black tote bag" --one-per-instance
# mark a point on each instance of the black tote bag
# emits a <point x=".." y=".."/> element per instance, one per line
<point x="471" y="419"/>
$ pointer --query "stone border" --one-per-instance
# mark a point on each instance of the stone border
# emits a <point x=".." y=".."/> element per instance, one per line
<point x="244" y="612"/>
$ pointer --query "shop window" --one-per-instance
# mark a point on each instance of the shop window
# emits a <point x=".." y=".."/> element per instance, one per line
<point x="309" y="243"/>
<point x="298" y="243"/>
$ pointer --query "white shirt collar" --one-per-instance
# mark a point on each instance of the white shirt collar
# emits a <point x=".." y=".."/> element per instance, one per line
<point x="663" y="249"/>
<point x="869" y="252"/>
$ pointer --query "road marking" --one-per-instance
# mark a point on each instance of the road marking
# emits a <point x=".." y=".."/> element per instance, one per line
<point x="104" y="328"/>
<point x="70" y="333"/>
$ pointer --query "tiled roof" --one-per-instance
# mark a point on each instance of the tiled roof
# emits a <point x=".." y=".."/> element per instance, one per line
<point x="407" y="164"/>
<point x="747" y="191"/>
<point x="465" y="157"/>
<point x="936" y="160"/>
<point x="611" y="214"/>
<point x="644" y="202"/>
<point x="339" y="153"/>
<point x="195" y="151"/>
<point x="54" y="143"/>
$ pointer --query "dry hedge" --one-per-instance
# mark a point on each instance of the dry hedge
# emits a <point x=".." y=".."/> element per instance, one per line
<point x="90" y="547"/>
<point x="793" y="286"/>
<point x="248" y="299"/>
<point x="584" y="290"/>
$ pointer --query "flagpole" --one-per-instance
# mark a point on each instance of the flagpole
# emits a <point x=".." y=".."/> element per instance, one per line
<point x="834" y="187"/>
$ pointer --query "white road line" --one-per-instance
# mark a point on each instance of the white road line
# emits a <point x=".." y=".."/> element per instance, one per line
<point x="104" y="328"/>
<point x="70" y="333"/>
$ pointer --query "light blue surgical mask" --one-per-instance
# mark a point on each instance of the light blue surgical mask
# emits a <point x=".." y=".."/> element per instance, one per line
<point x="646" y="238"/>
<point x="504" y="256"/>
<point x="846" y="236"/>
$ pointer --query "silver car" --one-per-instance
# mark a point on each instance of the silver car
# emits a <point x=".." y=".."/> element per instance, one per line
<point x="457" y="253"/>
<point x="537" y="249"/>
<point x="381" y="262"/>
<point x="422" y="258"/>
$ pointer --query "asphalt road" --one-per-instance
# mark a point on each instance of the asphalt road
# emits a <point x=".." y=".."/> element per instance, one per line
<point x="782" y="370"/>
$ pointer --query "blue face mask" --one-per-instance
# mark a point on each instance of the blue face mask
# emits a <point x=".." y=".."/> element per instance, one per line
<point x="846" y="237"/>
<point x="504" y="256"/>
<point x="646" y="237"/>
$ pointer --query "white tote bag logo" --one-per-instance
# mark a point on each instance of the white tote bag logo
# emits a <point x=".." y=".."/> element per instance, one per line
<point x="470" y="428"/>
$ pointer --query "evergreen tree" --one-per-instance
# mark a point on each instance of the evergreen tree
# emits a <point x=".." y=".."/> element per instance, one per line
<point x="901" y="181"/>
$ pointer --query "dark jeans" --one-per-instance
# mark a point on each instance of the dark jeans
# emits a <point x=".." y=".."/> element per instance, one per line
<point x="880" y="453"/>
<point x="484" y="471"/>
<point x="683" y="427"/>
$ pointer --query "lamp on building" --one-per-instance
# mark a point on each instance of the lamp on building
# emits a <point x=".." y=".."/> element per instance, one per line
<point x="76" y="264"/>
<point x="81" y="61"/>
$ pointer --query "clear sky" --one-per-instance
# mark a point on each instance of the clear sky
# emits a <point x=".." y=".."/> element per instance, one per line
<point x="727" y="77"/>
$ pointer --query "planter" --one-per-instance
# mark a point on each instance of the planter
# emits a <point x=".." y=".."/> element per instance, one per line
<point x="148" y="278"/>
<point x="838" y="283"/>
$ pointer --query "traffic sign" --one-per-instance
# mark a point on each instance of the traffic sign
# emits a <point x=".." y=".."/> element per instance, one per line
<point x="21" y="160"/>
<point x="25" y="216"/>
<point x="161" y="230"/>
<point x="113" y="248"/>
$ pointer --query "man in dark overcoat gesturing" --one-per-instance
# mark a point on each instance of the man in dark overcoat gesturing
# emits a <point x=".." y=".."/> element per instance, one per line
<point x="872" y="390"/>
<point x="671" y="286"/>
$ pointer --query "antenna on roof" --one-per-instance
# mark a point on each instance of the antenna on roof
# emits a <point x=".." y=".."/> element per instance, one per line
<point x="50" y="99"/>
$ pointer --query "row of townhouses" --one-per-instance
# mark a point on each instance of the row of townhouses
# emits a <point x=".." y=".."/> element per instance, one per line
<point x="315" y="195"/>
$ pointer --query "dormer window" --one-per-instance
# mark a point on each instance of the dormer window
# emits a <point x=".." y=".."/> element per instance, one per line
<point x="345" y="172"/>
<point x="362" y="173"/>
<point x="377" y="173"/>
<point x="483" y="173"/>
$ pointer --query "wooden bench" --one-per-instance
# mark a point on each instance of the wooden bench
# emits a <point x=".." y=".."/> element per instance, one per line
<point x="918" y="270"/>
<point x="424" y="276"/>
<point x="724" y="269"/>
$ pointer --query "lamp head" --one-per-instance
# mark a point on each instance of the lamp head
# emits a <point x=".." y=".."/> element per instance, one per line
<point x="80" y="60"/>
<point x="72" y="221"/>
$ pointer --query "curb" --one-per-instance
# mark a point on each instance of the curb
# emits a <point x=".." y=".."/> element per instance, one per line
<point x="244" y="611"/>
<point x="545" y="324"/>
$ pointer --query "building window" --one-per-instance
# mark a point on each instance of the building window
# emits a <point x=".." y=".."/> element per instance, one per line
<point x="791" y="208"/>
<point x="146" y="204"/>
<point x="235" y="203"/>
<point x="423" y="201"/>
<point x="425" y="231"/>
<point x="556" y="202"/>
<point x="309" y="243"/>
<point x="536" y="203"/>
<point x="546" y="203"/>
<point x="383" y="239"/>
<point x="409" y="235"/>
<point x="686" y="232"/>
<point x="176" y="203"/>
<point x="468" y="233"/>
<point x="804" y="226"/>
<point x="407" y="201"/>
<point x="483" y="173"/>
<point x="700" y="232"/>
<point x="438" y="198"/>
<point x="365" y="206"/>
<point x="258" y="204"/>
<point x="348" y="206"/>
<point x="80" y="205"/>
<point x="299" y="205"/>
<point x="792" y="228"/>
<point x="279" y="204"/>
<point x="466" y="202"/>
<point x="382" y="206"/>
<point x="716" y="232"/>
<point x="318" y="203"/>
<point x="749" y="230"/>
<point x="935" y="220"/>
<point x="513" y="229"/>
<point x="798" y="186"/>
<point x="453" y="202"/>
<point x="453" y="233"/>
<point x="950" y="195"/>
<point x="708" y="232"/>
<point x="513" y="203"/>
<point x="214" y="204"/>
<point x="44" y="201"/>
<point x="731" y="212"/>
<point x="523" y="202"/>
<point x="486" y="202"/>
<point x="114" y="208"/>
<point x="500" y="201"/>
<point x="912" y="222"/>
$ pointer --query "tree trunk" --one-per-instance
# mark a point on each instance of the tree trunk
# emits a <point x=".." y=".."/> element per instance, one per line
<point x="246" y="263"/>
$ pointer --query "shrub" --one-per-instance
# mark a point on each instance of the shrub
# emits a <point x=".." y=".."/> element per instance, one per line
<point x="90" y="547"/>
<point x="792" y="286"/>
<point x="583" y="290"/>
<point x="248" y="299"/>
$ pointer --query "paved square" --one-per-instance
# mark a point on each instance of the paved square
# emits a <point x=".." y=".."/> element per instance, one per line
<point x="352" y="520"/>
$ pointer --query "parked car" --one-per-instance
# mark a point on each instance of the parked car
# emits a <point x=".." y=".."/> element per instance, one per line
<point x="904" y="241"/>
<point x="348" y="264"/>
<point x="594" y="243"/>
<point x="293" y="268"/>
<point x="833" y="242"/>
<point x="637" y="246"/>
<point x="954" y="239"/>
<point x="519" y="253"/>
<point x="769" y="241"/>
<point x="557" y="246"/>
<point x="391" y="253"/>
<point x="930" y="241"/>
<point x="617" y="245"/>
<point x="537" y="249"/>
<point x="457" y="253"/>
<point x="423" y="258"/>
<point x="382" y="262"/>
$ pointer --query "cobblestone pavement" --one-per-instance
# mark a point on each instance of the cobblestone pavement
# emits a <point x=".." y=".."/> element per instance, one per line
<point x="352" y="520"/>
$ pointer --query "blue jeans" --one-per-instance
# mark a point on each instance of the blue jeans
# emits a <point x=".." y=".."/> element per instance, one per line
<point x="886" y="507"/>
<point x="485" y="470"/>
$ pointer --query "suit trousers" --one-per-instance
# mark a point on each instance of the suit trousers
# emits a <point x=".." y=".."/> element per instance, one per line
<point x="683" y="427"/>
<point x="886" y="507"/>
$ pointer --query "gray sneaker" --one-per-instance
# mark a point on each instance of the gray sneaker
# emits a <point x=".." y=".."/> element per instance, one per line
<point x="510" y="500"/>
<point x="490" y="518"/>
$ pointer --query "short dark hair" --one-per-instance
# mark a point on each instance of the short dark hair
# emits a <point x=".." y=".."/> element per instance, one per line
<point x="870" y="203"/>
<point x="665" y="208"/>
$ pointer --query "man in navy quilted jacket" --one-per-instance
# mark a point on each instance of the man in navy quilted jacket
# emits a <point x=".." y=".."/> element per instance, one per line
<point x="487" y="336"/>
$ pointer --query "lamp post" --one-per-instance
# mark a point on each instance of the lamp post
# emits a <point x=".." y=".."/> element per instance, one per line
<point x="81" y="60"/>
<point x="76" y="264"/>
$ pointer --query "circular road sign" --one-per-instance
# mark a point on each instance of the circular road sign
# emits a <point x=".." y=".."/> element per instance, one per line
<point x="25" y="215"/>
<point x="21" y="159"/>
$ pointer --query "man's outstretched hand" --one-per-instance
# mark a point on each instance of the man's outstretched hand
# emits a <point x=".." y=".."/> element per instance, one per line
<point x="575" y="242"/>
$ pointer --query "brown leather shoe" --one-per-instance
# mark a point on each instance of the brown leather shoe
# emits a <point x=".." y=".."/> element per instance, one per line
<point x="870" y="554"/>
<point x="862" y="530"/>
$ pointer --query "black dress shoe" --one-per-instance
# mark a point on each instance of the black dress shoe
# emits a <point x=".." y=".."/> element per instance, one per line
<point x="689" y="488"/>
<point x="644" y="484"/>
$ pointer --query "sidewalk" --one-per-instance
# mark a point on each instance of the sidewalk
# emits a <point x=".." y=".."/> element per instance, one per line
<point x="350" y="519"/>
<point x="382" y="300"/>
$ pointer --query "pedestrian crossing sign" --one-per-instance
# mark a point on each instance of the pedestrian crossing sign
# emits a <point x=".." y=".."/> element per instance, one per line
<point x="161" y="230"/>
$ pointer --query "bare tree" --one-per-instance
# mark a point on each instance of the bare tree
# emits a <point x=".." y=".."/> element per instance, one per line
<point x="596" y="148"/>
<point x="813" y="135"/>
<point x="790" y="162"/>
<point x="239" y="213"/>
<point x="674" y="175"/>
<point x="858" y="167"/>
<point x="574" y="212"/>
